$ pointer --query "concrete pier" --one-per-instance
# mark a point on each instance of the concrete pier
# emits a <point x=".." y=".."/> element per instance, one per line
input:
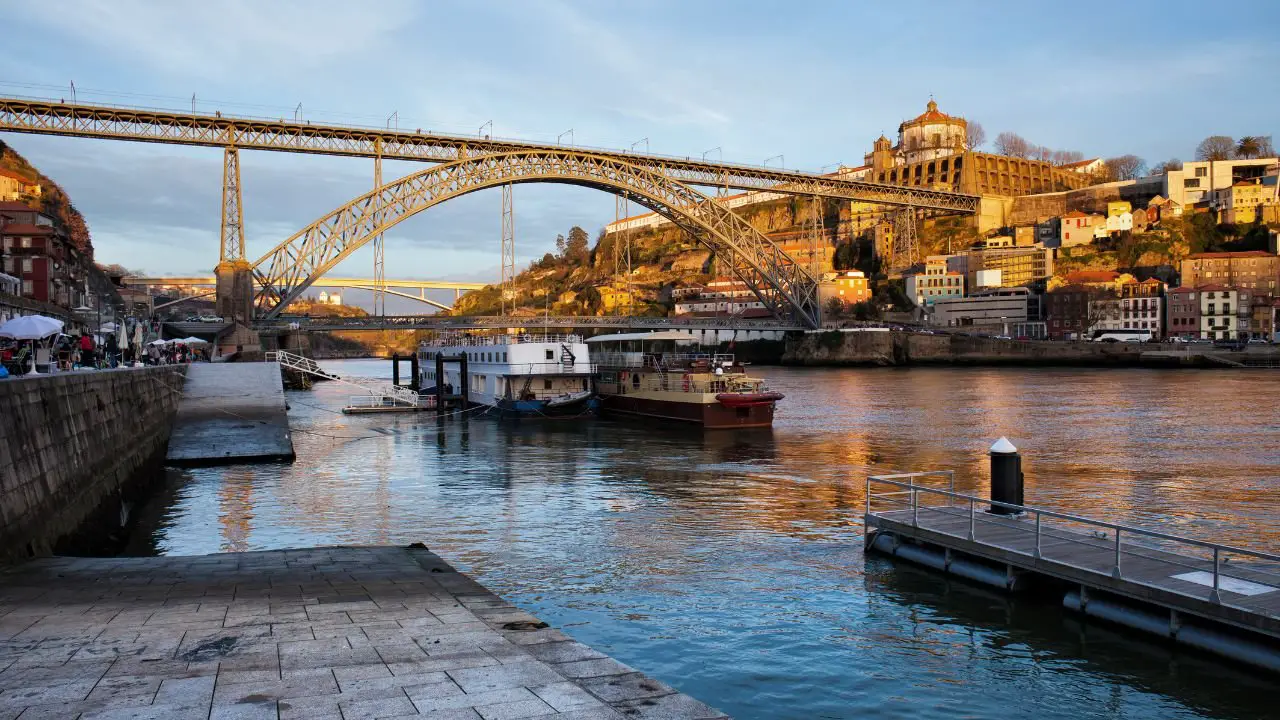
<point x="231" y="412"/>
<point x="318" y="633"/>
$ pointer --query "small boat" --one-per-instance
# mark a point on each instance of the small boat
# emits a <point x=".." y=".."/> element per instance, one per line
<point x="749" y="399"/>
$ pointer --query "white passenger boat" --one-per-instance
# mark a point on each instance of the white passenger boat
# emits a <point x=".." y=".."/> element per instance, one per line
<point x="519" y="375"/>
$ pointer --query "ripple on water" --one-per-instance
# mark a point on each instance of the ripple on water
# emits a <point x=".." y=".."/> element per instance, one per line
<point x="730" y="564"/>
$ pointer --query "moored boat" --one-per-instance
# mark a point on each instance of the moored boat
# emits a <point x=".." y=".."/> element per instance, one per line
<point x="655" y="375"/>
<point x="520" y="375"/>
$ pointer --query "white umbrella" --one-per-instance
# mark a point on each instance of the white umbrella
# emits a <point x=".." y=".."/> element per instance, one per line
<point x="107" y="327"/>
<point x="193" y="341"/>
<point x="159" y="342"/>
<point x="122" y="342"/>
<point x="31" y="327"/>
<point x="137" y="334"/>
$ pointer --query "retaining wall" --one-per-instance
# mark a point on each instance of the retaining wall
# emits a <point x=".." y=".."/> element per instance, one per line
<point x="74" y="446"/>
<point x="904" y="348"/>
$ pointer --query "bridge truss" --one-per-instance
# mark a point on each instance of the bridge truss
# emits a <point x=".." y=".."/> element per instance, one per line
<point x="216" y="130"/>
<point x="781" y="284"/>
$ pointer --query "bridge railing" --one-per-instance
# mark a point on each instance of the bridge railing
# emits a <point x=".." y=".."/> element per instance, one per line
<point x="486" y="321"/>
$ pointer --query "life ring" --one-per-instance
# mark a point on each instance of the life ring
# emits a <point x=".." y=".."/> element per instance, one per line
<point x="685" y="383"/>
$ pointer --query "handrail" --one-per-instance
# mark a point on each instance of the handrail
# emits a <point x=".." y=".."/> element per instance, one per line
<point x="887" y="479"/>
<point x="376" y="388"/>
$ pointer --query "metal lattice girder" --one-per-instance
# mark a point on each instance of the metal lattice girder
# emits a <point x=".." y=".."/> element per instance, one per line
<point x="98" y="121"/>
<point x="781" y="284"/>
<point x="232" y="208"/>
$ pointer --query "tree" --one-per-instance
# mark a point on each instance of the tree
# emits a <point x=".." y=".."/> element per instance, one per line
<point x="834" y="308"/>
<point x="1254" y="146"/>
<point x="560" y="245"/>
<point x="1125" y="167"/>
<point x="1012" y="144"/>
<point x="576" y="247"/>
<point x="1066" y="157"/>
<point x="1167" y="166"/>
<point x="975" y="137"/>
<point x="1216" y="147"/>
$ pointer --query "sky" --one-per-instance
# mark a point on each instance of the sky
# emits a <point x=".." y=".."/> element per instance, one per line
<point x="814" y="82"/>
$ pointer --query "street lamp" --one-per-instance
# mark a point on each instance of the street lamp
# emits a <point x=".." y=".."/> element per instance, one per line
<point x="781" y="160"/>
<point x="297" y="112"/>
<point x="568" y="132"/>
<point x="644" y="140"/>
<point x="715" y="149"/>
<point x="488" y="124"/>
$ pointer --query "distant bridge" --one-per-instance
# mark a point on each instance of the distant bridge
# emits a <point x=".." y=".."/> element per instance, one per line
<point x="487" y="322"/>
<point x="343" y="282"/>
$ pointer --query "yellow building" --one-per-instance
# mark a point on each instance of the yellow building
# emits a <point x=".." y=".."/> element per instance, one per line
<point x="850" y="287"/>
<point x="612" y="298"/>
<point x="1242" y="202"/>
<point x="1116" y="208"/>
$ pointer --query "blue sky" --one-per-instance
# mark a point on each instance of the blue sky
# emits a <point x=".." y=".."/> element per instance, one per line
<point x="815" y="82"/>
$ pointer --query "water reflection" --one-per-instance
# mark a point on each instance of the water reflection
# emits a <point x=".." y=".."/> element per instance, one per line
<point x="731" y="565"/>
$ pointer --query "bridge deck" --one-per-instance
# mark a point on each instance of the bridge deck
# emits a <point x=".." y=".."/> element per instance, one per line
<point x="231" y="412"/>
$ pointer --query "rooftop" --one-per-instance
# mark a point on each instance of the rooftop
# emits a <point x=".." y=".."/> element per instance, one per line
<point x="931" y="114"/>
<point x="1229" y="255"/>
<point x="27" y="229"/>
<point x="1084" y="277"/>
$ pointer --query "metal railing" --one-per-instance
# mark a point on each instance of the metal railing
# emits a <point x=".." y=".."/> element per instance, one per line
<point x="376" y="388"/>
<point x="465" y="322"/>
<point x="1097" y="531"/>
<point x="503" y="340"/>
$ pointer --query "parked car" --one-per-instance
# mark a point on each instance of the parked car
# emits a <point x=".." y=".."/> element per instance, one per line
<point x="1258" y="341"/>
<point x="193" y="318"/>
<point x="210" y="319"/>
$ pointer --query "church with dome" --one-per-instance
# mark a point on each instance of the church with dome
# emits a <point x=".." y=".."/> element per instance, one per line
<point x="932" y="135"/>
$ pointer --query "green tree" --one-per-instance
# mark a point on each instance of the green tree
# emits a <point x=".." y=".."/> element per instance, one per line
<point x="1216" y="147"/>
<point x="834" y="308"/>
<point x="1254" y="146"/>
<point x="1202" y="233"/>
<point x="577" y="246"/>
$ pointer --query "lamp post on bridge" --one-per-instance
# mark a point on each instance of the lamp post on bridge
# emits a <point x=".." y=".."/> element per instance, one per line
<point x="568" y="132"/>
<point x="644" y="140"/>
<point x="480" y="132"/>
<point x="781" y="161"/>
<point x="297" y="113"/>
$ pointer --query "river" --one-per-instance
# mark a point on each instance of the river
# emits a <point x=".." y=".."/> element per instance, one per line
<point x="730" y="565"/>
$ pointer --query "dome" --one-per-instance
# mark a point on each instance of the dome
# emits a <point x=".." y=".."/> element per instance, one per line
<point x="932" y="115"/>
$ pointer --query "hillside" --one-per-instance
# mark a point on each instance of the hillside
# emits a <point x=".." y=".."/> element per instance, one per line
<point x="579" y="278"/>
<point x="53" y="200"/>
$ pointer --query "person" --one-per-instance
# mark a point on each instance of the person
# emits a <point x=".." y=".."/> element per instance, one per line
<point x="153" y="355"/>
<point x="86" y="350"/>
<point x="111" y="349"/>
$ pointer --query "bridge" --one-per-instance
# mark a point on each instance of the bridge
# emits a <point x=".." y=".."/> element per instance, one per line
<point x="286" y="323"/>
<point x="370" y="284"/>
<point x="462" y="164"/>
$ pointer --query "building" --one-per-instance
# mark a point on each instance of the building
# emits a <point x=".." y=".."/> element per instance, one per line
<point x="1142" y="306"/>
<point x="1161" y="208"/>
<point x="1094" y="167"/>
<point x="1242" y="203"/>
<point x="1252" y="270"/>
<point x="1193" y="184"/>
<point x="44" y="260"/>
<point x="1004" y="311"/>
<point x="932" y="152"/>
<point x="937" y="281"/>
<point x="1049" y="232"/>
<point x="1261" y="321"/>
<point x="851" y="287"/>
<point x="815" y="254"/>
<point x="1066" y="311"/>
<point x="1019" y="267"/>
<point x="1119" y="216"/>
<point x="1219" y="312"/>
<point x="1080" y="228"/>
<point x="14" y="186"/>
<point x="722" y="296"/>
<point x="1182" y="318"/>
<point x="328" y="298"/>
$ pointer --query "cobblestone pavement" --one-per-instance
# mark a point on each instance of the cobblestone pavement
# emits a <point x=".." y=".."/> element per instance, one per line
<point x="351" y="632"/>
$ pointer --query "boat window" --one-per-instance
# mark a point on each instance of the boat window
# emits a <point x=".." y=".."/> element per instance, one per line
<point x="584" y="383"/>
<point x="551" y="355"/>
<point x="504" y="357"/>
<point x="635" y="381"/>
<point x="546" y="384"/>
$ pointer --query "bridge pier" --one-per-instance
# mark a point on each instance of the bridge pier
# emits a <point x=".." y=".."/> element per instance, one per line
<point x="233" y="283"/>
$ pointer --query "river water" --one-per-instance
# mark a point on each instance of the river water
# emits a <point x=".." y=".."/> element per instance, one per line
<point x="730" y="564"/>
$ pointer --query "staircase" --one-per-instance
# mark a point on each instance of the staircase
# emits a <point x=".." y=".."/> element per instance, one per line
<point x="381" y="389"/>
<point x="566" y="356"/>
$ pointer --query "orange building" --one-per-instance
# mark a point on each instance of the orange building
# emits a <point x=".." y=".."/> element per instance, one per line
<point x="850" y="287"/>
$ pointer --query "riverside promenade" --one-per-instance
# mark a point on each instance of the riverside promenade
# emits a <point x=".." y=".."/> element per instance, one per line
<point x="342" y="633"/>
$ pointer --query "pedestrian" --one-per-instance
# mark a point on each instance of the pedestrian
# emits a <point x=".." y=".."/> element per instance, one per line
<point x="86" y="351"/>
<point x="111" y="350"/>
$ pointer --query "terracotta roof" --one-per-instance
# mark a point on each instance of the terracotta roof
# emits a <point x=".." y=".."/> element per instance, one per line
<point x="1092" y="276"/>
<point x="1182" y="290"/>
<point x="1081" y="163"/>
<point x="1213" y="288"/>
<point x="15" y="206"/>
<point x="1076" y="214"/>
<point x="930" y="114"/>
<point x="1246" y="183"/>
<point x="1229" y="255"/>
<point x="16" y="176"/>
<point x="27" y="229"/>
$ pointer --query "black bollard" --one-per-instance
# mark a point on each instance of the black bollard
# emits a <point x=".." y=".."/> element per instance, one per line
<point x="1006" y="477"/>
<point x="415" y="382"/>
<point x="395" y="369"/>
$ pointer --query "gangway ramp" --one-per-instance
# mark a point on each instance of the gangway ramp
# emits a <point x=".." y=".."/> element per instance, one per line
<point x="382" y="395"/>
<point x="231" y="413"/>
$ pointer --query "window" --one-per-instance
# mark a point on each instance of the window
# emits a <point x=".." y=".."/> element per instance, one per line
<point x="1202" y="172"/>
<point x="26" y="264"/>
<point x="1191" y="183"/>
<point x="546" y="384"/>
<point x="551" y="355"/>
<point x="27" y="288"/>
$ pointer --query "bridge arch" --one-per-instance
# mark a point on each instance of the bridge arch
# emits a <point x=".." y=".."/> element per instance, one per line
<point x="782" y="285"/>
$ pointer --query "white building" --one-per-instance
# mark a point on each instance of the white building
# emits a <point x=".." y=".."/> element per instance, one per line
<point x="936" y="282"/>
<point x="1192" y="183"/>
<point x="1219" y="311"/>
<point x="1007" y="311"/>
<point x="722" y="296"/>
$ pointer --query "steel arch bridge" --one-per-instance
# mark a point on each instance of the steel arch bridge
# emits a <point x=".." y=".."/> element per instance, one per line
<point x="782" y="285"/>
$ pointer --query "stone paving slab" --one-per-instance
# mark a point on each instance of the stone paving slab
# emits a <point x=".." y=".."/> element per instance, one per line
<point x="342" y="633"/>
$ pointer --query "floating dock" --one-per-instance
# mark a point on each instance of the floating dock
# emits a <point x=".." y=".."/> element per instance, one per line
<point x="1207" y="595"/>
<point x="320" y="633"/>
<point x="231" y="413"/>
